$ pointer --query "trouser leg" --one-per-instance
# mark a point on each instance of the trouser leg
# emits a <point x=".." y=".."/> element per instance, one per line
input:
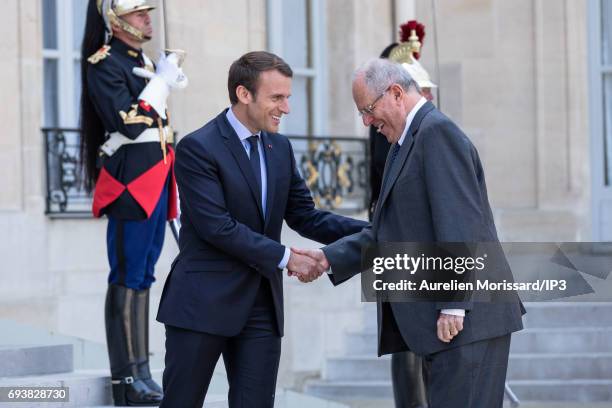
<point x="407" y="378"/>
<point x="251" y="360"/>
<point x="190" y="362"/>
<point x="469" y="376"/>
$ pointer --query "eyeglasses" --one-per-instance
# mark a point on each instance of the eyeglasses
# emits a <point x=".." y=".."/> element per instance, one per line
<point x="369" y="110"/>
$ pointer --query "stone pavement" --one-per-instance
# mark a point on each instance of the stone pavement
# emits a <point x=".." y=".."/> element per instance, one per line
<point x="389" y="404"/>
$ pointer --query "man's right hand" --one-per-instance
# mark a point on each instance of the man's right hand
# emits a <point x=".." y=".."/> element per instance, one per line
<point x="305" y="268"/>
<point x="316" y="254"/>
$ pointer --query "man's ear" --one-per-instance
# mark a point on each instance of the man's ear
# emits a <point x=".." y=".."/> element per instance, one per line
<point x="115" y="27"/>
<point x="243" y="95"/>
<point x="397" y="91"/>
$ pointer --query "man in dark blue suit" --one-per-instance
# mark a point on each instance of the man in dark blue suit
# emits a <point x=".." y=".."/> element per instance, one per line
<point x="237" y="182"/>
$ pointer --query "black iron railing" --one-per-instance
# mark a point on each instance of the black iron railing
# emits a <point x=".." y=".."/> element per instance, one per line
<point x="66" y="195"/>
<point x="335" y="170"/>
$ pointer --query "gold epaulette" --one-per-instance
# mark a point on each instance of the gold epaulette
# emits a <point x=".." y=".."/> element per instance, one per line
<point x="99" y="55"/>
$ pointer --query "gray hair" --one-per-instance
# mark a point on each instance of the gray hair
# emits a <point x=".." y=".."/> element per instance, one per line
<point x="380" y="73"/>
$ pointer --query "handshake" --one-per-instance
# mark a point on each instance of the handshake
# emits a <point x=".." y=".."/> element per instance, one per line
<point x="307" y="264"/>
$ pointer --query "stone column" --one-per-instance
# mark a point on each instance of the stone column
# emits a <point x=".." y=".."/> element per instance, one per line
<point x="404" y="10"/>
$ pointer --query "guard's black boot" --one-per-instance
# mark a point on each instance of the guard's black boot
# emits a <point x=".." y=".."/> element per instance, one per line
<point x="141" y="347"/>
<point x="128" y="388"/>
<point x="408" y="382"/>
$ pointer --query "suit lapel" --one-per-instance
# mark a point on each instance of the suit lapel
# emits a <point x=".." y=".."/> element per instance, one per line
<point x="235" y="146"/>
<point x="390" y="174"/>
<point x="271" y="160"/>
<point x="393" y="172"/>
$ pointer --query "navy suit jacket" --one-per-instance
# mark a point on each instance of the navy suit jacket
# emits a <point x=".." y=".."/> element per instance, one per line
<point x="226" y="243"/>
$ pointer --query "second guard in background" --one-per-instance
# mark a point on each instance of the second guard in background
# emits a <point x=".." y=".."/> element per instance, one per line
<point x="126" y="147"/>
<point x="406" y="367"/>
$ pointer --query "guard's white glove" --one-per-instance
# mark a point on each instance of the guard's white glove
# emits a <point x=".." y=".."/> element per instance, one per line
<point x="168" y="75"/>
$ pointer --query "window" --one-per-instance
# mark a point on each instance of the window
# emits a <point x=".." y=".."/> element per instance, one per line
<point x="600" y="67"/>
<point x="605" y="72"/>
<point x="63" y="25"/>
<point x="296" y="33"/>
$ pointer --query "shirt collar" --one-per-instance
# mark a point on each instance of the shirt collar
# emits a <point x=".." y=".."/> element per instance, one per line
<point x="241" y="130"/>
<point x="410" y="118"/>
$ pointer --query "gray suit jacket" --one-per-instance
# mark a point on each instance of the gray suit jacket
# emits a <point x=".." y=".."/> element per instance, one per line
<point x="436" y="192"/>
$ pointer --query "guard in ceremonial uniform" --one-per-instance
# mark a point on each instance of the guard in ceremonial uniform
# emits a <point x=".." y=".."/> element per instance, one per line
<point x="406" y="367"/>
<point x="126" y="147"/>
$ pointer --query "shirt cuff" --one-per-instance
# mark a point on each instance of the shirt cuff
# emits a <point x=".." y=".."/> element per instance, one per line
<point x="283" y="263"/>
<point x="454" y="312"/>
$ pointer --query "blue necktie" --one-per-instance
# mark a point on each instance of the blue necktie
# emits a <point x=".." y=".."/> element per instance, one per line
<point x="391" y="160"/>
<point x="255" y="163"/>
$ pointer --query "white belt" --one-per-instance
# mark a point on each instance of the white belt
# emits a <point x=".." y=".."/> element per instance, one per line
<point x="116" y="139"/>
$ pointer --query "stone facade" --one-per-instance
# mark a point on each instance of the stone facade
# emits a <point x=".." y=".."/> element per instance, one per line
<point x="516" y="73"/>
<point x="513" y="74"/>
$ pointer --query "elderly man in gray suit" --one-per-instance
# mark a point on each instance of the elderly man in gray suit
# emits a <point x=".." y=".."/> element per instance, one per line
<point x="433" y="190"/>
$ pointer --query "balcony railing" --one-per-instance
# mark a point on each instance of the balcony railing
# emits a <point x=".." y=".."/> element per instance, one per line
<point x="66" y="196"/>
<point x="334" y="168"/>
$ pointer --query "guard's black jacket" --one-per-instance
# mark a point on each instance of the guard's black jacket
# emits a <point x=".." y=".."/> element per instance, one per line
<point x="132" y="179"/>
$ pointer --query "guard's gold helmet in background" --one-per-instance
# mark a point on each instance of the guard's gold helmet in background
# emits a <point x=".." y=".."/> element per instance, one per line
<point x="112" y="11"/>
<point x="408" y="51"/>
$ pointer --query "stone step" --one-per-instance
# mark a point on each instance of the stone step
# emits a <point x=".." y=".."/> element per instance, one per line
<point x="357" y="368"/>
<point x="563" y="340"/>
<point x="87" y="354"/>
<point x="565" y="314"/>
<point x="361" y="342"/>
<point x="539" y="315"/>
<point x="284" y="399"/>
<point x="583" y="391"/>
<point x="562" y="366"/>
<point x="21" y="360"/>
<point x="341" y="390"/>
<point x="521" y="367"/>
<point x="543" y="340"/>
<point x="91" y="388"/>
<point x="86" y="388"/>
<point x="212" y="401"/>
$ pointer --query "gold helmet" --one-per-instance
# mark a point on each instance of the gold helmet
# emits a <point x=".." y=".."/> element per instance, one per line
<point x="408" y="51"/>
<point x="112" y="11"/>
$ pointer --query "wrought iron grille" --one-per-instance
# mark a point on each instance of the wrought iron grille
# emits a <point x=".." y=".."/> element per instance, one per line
<point x="334" y="168"/>
<point x="66" y="196"/>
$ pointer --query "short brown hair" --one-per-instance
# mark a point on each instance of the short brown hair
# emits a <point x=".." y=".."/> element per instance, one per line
<point x="246" y="69"/>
